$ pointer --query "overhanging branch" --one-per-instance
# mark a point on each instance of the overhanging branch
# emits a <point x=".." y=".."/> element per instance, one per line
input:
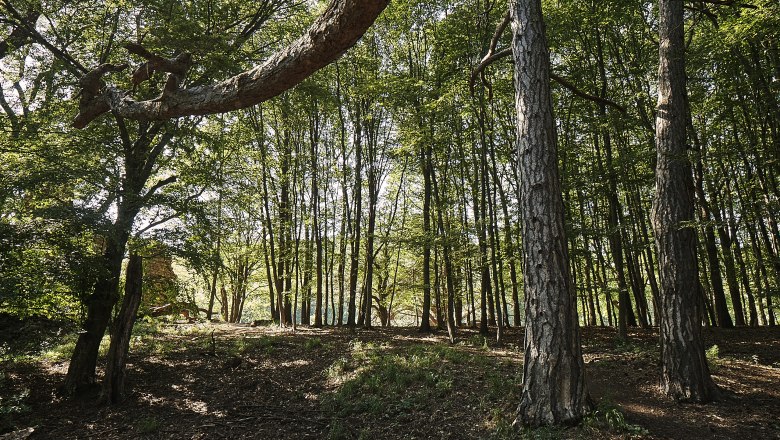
<point x="335" y="31"/>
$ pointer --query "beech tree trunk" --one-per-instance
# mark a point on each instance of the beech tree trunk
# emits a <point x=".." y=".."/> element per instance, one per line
<point x="358" y="196"/>
<point x="114" y="381"/>
<point x="685" y="375"/>
<point x="554" y="390"/>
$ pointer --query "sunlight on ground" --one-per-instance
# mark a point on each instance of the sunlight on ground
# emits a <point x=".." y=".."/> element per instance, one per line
<point x="295" y="363"/>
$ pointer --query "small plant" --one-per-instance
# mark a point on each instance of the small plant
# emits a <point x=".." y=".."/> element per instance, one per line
<point x="12" y="406"/>
<point x="713" y="358"/>
<point x="312" y="343"/>
<point x="148" y="425"/>
<point x="608" y="416"/>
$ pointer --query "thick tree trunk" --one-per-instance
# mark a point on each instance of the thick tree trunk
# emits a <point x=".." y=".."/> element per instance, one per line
<point x="114" y="381"/>
<point x="554" y="389"/>
<point x="685" y="375"/>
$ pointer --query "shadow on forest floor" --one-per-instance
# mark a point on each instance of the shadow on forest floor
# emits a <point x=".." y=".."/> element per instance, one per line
<point x="202" y="381"/>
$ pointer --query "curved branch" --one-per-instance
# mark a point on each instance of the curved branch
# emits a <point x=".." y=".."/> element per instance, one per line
<point x="566" y="84"/>
<point x="492" y="57"/>
<point x="491" y="54"/>
<point x="335" y="31"/>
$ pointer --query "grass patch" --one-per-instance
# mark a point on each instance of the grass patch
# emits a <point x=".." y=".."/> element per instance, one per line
<point x="380" y="382"/>
<point x="147" y="425"/>
<point x="12" y="406"/>
<point x="247" y="344"/>
<point x="713" y="358"/>
<point x="312" y="343"/>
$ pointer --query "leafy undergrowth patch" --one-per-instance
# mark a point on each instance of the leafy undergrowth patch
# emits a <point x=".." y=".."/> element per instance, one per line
<point x="204" y="381"/>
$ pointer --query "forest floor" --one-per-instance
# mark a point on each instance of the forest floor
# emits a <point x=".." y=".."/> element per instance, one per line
<point x="212" y="381"/>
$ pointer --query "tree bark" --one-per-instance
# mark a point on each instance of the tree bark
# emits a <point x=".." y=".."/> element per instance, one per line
<point x="114" y="381"/>
<point x="358" y="196"/>
<point x="554" y="390"/>
<point x="425" y="162"/>
<point x="685" y="375"/>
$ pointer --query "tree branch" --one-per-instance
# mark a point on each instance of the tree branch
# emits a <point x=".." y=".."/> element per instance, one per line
<point x="29" y="29"/>
<point x="492" y="57"/>
<point x="335" y="31"/>
<point x="19" y="35"/>
<point x="572" y="88"/>
<point x="727" y="3"/>
<point x="157" y="186"/>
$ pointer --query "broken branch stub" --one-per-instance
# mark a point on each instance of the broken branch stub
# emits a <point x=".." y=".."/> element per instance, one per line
<point x="93" y="100"/>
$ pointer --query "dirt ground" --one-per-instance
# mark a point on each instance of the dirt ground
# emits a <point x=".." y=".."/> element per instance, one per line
<point x="261" y="383"/>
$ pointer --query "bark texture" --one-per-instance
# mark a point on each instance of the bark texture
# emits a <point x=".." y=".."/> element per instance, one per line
<point x="554" y="389"/>
<point x="685" y="375"/>
<point x="114" y="382"/>
<point x="335" y="31"/>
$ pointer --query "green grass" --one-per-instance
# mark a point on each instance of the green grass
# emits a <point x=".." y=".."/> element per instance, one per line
<point x="11" y="406"/>
<point x="147" y="425"/>
<point x="713" y="358"/>
<point x="382" y="382"/>
<point x="608" y="417"/>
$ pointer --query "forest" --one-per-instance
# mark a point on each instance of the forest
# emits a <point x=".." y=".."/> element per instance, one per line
<point x="346" y="219"/>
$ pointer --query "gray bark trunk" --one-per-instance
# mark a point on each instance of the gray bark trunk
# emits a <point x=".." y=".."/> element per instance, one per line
<point x="685" y="375"/>
<point x="554" y="389"/>
<point x="114" y="381"/>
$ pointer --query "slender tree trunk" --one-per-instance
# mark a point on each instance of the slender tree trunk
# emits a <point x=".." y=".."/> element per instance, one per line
<point x="358" y="196"/>
<point x="114" y="381"/>
<point x="425" y="161"/>
<point x="685" y="375"/>
<point x="554" y="390"/>
<point x="315" y="207"/>
<point x="373" y="196"/>
<point x="448" y="268"/>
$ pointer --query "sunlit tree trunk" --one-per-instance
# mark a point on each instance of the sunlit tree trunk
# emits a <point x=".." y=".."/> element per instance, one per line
<point x="685" y="375"/>
<point x="554" y="389"/>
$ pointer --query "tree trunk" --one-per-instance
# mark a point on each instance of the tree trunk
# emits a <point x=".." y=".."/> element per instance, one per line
<point x="554" y="389"/>
<point x="448" y="269"/>
<point x="114" y="381"/>
<point x="685" y="375"/>
<point x="81" y="370"/>
<point x="425" y="324"/>
<point x="354" y="256"/>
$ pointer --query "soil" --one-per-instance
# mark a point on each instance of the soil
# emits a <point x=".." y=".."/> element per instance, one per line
<point x="265" y="382"/>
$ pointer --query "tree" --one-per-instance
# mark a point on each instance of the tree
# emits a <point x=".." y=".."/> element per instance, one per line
<point x="685" y="375"/>
<point x="554" y="389"/>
